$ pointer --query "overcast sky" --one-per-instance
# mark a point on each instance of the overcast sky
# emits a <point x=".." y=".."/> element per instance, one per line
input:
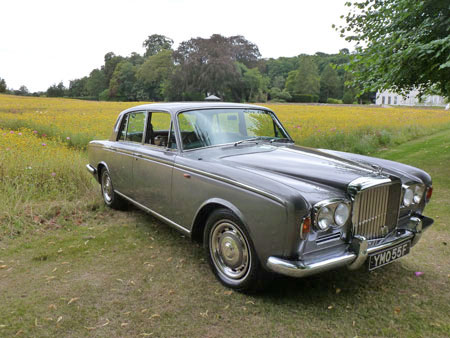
<point x="43" y="42"/>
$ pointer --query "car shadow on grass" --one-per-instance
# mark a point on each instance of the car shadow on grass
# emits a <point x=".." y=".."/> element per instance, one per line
<point x="317" y="289"/>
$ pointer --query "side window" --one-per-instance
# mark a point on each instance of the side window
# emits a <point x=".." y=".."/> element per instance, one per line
<point x="135" y="127"/>
<point x="158" y="129"/>
<point x="123" y="129"/>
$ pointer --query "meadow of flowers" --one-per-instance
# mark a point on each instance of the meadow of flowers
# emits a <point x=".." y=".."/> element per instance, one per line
<point x="353" y="128"/>
<point x="38" y="173"/>
<point x="42" y="142"/>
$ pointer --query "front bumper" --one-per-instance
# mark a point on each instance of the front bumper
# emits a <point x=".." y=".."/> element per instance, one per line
<point x="356" y="254"/>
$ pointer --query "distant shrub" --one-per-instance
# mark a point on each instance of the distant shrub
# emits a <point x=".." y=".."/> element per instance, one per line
<point x="276" y="94"/>
<point x="348" y="98"/>
<point x="104" y="95"/>
<point x="305" y="98"/>
<point x="334" y="101"/>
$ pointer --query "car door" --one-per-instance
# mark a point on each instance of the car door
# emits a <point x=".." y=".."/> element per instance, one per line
<point x="153" y="165"/>
<point x="120" y="164"/>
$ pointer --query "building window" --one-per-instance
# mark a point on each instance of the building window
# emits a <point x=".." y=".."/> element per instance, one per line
<point x="389" y="100"/>
<point x="383" y="100"/>
<point x="395" y="99"/>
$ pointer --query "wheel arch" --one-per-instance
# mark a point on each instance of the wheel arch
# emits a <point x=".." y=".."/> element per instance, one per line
<point x="100" y="167"/>
<point x="205" y="210"/>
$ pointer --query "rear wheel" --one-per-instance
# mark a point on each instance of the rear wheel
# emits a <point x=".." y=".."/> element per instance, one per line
<point x="231" y="254"/>
<point x="111" y="199"/>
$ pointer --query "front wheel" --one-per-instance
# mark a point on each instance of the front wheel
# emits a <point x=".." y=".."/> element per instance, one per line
<point x="231" y="254"/>
<point x="111" y="199"/>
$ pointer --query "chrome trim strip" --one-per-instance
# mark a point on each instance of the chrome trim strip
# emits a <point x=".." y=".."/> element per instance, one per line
<point x="154" y="213"/>
<point x="403" y="237"/>
<point x="363" y="183"/>
<point x="232" y="182"/>
<point x="204" y="173"/>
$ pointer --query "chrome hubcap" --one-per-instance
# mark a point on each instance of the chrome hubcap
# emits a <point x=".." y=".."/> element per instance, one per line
<point x="107" y="187"/>
<point x="229" y="250"/>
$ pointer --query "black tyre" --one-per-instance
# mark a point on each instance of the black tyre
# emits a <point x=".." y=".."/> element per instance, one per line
<point x="111" y="199"/>
<point x="231" y="254"/>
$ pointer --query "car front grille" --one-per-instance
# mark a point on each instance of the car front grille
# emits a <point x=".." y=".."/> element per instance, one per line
<point x="375" y="210"/>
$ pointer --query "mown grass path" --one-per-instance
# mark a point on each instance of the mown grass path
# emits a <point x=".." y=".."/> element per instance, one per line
<point x="126" y="274"/>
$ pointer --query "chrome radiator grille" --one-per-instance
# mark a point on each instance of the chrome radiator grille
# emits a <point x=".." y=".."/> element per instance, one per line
<point x="375" y="210"/>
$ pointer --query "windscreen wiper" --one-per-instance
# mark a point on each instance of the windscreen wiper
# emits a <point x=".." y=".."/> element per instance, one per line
<point x="282" y="139"/>
<point x="253" y="139"/>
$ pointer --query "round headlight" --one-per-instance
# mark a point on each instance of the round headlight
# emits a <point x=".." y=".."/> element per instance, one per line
<point x="408" y="197"/>
<point x="418" y="193"/>
<point x="324" y="218"/>
<point x="341" y="214"/>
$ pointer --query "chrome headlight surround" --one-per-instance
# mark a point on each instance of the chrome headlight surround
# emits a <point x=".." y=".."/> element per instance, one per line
<point x="412" y="194"/>
<point x="332" y="213"/>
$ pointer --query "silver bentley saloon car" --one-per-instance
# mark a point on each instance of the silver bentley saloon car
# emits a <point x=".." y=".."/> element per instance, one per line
<point x="231" y="177"/>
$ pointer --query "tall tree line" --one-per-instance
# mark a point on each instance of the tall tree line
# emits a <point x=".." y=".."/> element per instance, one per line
<point x="228" y="67"/>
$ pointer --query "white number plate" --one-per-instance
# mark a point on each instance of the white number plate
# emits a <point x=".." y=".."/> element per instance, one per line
<point x="388" y="255"/>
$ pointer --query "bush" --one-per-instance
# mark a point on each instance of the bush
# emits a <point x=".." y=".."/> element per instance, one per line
<point x="334" y="101"/>
<point x="305" y="98"/>
<point x="104" y="95"/>
<point x="280" y="96"/>
<point x="348" y="98"/>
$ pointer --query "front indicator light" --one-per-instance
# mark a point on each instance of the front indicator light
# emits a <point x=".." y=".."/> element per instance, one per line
<point x="429" y="193"/>
<point x="305" y="227"/>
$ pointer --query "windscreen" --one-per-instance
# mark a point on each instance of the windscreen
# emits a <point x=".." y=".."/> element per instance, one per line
<point x="204" y="128"/>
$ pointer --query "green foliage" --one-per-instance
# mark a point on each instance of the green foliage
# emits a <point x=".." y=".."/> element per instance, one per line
<point x="305" y="98"/>
<point x="104" y="95"/>
<point x="329" y="84"/>
<point x="348" y="97"/>
<point x="2" y="85"/>
<point x="155" y="43"/>
<point x="276" y="94"/>
<point x="77" y="87"/>
<point x="401" y="45"/>
<point x="96" y="83"/>
<point x="56" y="90"/>
<point x="304" y="80"/>
<point x="154" y="73"/>
<point x="334" y="101"/>
<point x="122" y="82"/>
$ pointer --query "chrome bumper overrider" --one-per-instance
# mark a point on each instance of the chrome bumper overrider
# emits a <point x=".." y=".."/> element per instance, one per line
<point x="91" y="169"/>
<point x="356" y="254"/>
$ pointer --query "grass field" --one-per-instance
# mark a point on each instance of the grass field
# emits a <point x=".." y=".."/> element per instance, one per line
<point x="71" y="267"/>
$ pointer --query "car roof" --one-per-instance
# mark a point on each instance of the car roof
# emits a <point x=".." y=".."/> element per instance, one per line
<point x="175" y="107"/>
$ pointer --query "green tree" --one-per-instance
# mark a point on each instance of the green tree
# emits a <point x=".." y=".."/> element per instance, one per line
<point x="304" y="80"/>
<point x="400" y="45"/>
<point x="77" y="87"/>
<point x="96" y="83"/>
<point x="208" y="66"/>
<point x="111" y="61"/>
<point x="2" y="85"/>
<point x="156" y="43"/>
<point x="121" y="86"/>
<point x="154" y="73"/>
<point x="256" y="85"/>
<point x="329" y="84"/>
<point x="56" y="90"/>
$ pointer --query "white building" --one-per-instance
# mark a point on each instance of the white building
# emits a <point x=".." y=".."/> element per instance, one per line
<point x="394" y="99"/>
